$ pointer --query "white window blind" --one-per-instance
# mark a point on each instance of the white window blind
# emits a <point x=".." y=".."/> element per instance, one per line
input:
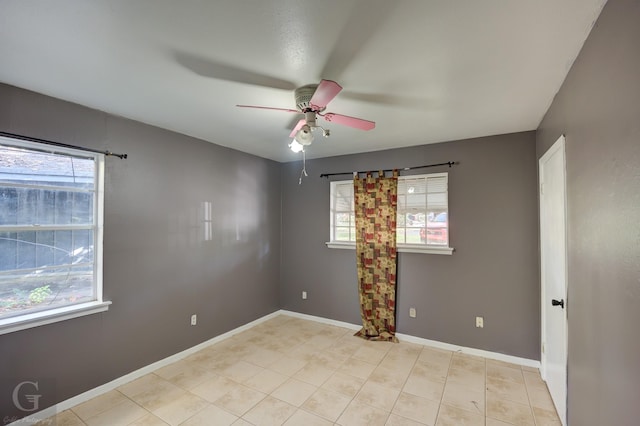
<point x="422" y="218"/>
<point x="343" y="219"/>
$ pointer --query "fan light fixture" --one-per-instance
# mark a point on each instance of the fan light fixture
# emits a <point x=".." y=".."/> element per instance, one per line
<point x="295" y="146"/>
<point x="303" y="138"/>
<point x="304" y="135"/>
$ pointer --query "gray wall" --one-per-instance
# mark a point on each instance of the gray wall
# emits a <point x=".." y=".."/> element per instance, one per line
<point x="598" y="109"/>
<point x="157" y="271"/>
<point x="493" y="272"/>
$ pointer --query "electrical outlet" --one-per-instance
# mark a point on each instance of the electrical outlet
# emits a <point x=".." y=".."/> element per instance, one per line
<point x="194" y="319"/>
<point x="412" y="312"/>
<point x="304" y="295"/>
<point x="480" y="322"/>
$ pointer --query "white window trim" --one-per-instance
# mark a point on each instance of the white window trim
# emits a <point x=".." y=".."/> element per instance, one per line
<point x="405" y="248"/>
<point x="36" y="319"/>
<point x="401" y="248"/>
<point x="49" y="316"/>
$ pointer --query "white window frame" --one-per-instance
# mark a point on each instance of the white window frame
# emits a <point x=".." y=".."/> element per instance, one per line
<point x="56" y="314"/>
<point x="401" y="247"/>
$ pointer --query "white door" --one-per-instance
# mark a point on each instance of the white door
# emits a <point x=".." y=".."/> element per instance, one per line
<point x="554" y="274"/>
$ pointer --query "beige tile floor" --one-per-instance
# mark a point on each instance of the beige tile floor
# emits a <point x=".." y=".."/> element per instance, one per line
<point x="289" y="371"/>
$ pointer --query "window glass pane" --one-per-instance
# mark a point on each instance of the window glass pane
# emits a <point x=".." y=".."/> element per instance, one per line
<point x="343" y="204"/>
<point x="82" y="211"/>
<point x="82" y="246"/>
<point x="438" y="229"/>
<point x="437" y="184"/>
<point x="42" y="266"/>
<point x="64" y="208"/>
<point x="38" y="249"/>
<point x="401" y="219"/>
<point x="402" y="202"/>
<point x="437" y="201"/>
<point x="343" y="197"/>
<point x="342" y="219"/>
<point x="27" y="206"/>
<point x="45" y="169"/>
<point x="415" y="219"/>
<point x="342" y="233"/>
<point x="413" y="236"/>
<point x="344" y="189"/>
<point x="8" y="250"/>
<point x="45" y="246"/>
<point x="8" y="206"/>
<point x="400" y="235"/>
<point x="402" y="186"/>
<point x="415" y="185"/>
<point x="415" y="201"/>
<point x="63" y="243"/>
<point x="26" y="250"/>
<point x="45" y="288"/>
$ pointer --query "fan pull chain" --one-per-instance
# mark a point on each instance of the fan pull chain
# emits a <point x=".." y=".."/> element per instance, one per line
<point x="304" y="168"/>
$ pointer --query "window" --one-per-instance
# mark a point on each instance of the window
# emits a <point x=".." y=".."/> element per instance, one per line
<point x="423" y="209"/>
<point x="343" y="218"/>
<point x="50" y="234"/>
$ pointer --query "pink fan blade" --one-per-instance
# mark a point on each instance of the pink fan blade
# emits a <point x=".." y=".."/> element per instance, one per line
<point x="326" y="91"/>
<point x="275" y="109"/>
<point x="345" y="120"/>
<point x="298" y="127"/>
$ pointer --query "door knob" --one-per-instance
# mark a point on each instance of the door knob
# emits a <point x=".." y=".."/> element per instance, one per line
<point x="560" y="303"/>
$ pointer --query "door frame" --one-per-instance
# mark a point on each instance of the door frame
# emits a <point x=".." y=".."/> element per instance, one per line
<point x="559" y="145"/>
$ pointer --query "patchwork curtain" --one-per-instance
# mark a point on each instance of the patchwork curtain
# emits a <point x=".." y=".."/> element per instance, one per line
<point x="375" y="210"/>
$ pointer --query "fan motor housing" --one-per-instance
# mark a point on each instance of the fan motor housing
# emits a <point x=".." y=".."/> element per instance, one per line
<point x="303" y="96"/>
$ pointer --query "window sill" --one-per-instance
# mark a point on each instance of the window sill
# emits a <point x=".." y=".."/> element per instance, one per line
<point x="36" y="319"/>
<point x="405" y="248"/>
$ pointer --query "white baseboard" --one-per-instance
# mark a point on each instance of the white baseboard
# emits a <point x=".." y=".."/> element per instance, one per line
<point x="321" y="320"/>
<point x="90" y="394"/>
<point x="426" y="342"/>
<point x="470" y="351"/>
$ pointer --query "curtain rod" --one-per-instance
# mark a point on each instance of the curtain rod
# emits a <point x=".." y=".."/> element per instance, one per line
<point x="62" y="145"/>
<point x="448" y="163"/>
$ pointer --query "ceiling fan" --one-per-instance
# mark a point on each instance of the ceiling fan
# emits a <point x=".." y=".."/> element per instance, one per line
<point x="312" y="100"/>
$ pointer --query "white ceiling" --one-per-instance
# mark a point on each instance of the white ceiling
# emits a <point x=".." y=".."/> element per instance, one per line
<point x="424" y="70"/>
